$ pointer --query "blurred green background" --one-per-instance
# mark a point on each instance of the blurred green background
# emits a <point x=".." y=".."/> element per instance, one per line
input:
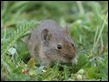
<point x="88" y="25"/>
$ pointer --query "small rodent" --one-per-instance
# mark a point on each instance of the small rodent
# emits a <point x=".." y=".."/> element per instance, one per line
<point x="50" y="42"/>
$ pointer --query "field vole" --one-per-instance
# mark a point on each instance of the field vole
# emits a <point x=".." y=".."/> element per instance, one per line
<point x="50" y="42"/>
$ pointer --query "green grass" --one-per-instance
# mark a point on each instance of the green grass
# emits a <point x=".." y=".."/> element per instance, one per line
<point x="88" y="25"/>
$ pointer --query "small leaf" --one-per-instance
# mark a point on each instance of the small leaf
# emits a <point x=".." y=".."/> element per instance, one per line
<point x="12" y="51"/>
<point x="39" y="70"/>
<point x="31" y="62"/>
<point x="81" y="71"/>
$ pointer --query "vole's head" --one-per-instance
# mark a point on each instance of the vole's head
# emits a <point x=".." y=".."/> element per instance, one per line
<point x="58" y="45"/>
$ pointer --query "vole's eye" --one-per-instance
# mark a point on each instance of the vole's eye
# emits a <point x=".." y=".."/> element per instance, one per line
<point x="59" y="46"/>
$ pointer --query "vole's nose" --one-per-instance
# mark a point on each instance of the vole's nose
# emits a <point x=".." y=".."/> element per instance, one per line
<point x="69" y="56"/>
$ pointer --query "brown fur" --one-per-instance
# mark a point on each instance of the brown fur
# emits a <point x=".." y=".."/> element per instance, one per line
<point x="43" y="43"/>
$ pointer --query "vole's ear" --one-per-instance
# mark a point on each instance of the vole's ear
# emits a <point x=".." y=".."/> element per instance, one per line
<point x="45" y="35"/>
<point x="65" y="30"/>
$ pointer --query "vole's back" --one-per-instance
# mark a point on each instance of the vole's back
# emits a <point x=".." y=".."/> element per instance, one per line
<point x="52" y="26"/>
